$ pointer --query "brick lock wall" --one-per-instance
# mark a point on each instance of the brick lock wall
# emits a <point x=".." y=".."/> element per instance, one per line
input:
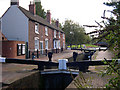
<point x="9" y="49"/>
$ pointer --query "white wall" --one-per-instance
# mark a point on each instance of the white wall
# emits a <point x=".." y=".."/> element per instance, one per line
<point x="15" y="24"/>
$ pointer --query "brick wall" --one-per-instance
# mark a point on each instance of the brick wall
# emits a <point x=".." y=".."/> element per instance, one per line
<point x="42" y="36"/>
<point x="9" y="49"/>
<point x="0" y="44"/>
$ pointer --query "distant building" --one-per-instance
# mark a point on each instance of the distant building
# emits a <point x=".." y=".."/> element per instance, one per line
<point x="20" y="24"/>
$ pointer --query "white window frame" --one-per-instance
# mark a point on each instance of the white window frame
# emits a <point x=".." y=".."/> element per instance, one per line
<point x="19" y="49"/>
<point x="63" y="44"/>
<point x="59" y="44"/>
<point x="37" y="44"/>
<point x="46" y="44"/>
<point x="46" y="30"/>
<point x="55" y="44"/>
<point x="63" y="36"/>
<point x="23" y="49"/>
<point x="59" y="34"/>
<point x="54" y="33"/>
<point x="37" y="28"/>
<point x="42" y="47"/>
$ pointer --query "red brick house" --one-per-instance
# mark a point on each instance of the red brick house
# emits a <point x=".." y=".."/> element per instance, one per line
<point x="39" y="34"/>
<point x="11" y="49"/>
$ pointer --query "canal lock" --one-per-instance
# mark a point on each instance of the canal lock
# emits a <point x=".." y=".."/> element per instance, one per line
<point x="50" y="79"/>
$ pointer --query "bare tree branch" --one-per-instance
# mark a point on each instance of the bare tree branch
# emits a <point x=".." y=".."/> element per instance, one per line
<point x="90" y="26"/>
<point x="99" y="24"/>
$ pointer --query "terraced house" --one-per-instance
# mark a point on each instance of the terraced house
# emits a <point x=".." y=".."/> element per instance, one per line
<point x="39" y="34"/>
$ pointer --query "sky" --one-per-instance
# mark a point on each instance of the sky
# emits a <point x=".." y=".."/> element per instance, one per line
<point x="83" y="12"/>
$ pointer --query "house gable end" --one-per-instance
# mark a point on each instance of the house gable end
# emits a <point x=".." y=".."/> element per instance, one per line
<point x="16" y="22"/>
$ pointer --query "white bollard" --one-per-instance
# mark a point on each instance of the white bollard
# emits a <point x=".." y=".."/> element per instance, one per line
<point x="62" y="64"/>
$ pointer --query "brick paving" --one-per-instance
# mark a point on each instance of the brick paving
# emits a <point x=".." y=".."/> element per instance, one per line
<point x="12" y="72"/>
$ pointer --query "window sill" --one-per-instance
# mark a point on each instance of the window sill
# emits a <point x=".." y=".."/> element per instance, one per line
<point x="37" y="49"/>
<point x="37" y="32"/>
<point x="46" y="34"/>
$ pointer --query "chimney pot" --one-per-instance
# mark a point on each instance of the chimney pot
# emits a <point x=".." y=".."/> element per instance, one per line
<point x="15" y="2"/>
<point x="57" y="23"/>
<point x="32" y="8"/>
<point x="49" y="16"/>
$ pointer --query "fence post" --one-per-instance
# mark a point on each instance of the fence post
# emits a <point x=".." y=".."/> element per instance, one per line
<point x="29" y="54"/>
<point x="26" y="50"/>
<point x="50" y="56"/>
<point x="33" y="56"/>
<point x="37" y="53"/>
<point x="46" y="51"/>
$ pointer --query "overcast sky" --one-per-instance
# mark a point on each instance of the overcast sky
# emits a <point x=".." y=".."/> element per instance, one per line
<point x="84" y="12"/>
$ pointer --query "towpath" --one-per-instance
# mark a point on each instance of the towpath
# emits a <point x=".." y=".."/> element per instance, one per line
<point x="104" y="54"/>
<point x="12" y="72"/>
<point x="95" y="79"/>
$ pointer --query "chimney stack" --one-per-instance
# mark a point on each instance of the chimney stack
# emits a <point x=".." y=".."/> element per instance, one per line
<point x="32" y="8"/>
<point x="15" y="2"/>
<point x="49" y="16"/>
<point x="57" y="23"/>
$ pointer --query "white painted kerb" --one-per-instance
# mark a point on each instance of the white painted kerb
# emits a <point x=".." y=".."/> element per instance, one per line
<point x="62" y="64"/>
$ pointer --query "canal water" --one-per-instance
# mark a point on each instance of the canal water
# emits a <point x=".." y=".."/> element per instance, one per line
<point x="60" y="80"/>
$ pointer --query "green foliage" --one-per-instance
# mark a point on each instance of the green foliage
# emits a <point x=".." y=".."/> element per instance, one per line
<point x="75" y="34"/>
<point x="39" y="10"/>
<point x="112" y="69"/>
<point x="81" y="46"/>
<point x="112" y="28"/>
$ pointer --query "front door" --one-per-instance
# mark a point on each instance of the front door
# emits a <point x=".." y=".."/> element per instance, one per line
<point x="41" y="47"/>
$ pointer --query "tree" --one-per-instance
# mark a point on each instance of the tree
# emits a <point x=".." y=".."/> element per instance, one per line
<point x="113" y="28"/>
<point x="111" y="34"/>
<point x="75" y="34"/>
<point x="110" y="28"/>
<point x="39" y="10"/>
